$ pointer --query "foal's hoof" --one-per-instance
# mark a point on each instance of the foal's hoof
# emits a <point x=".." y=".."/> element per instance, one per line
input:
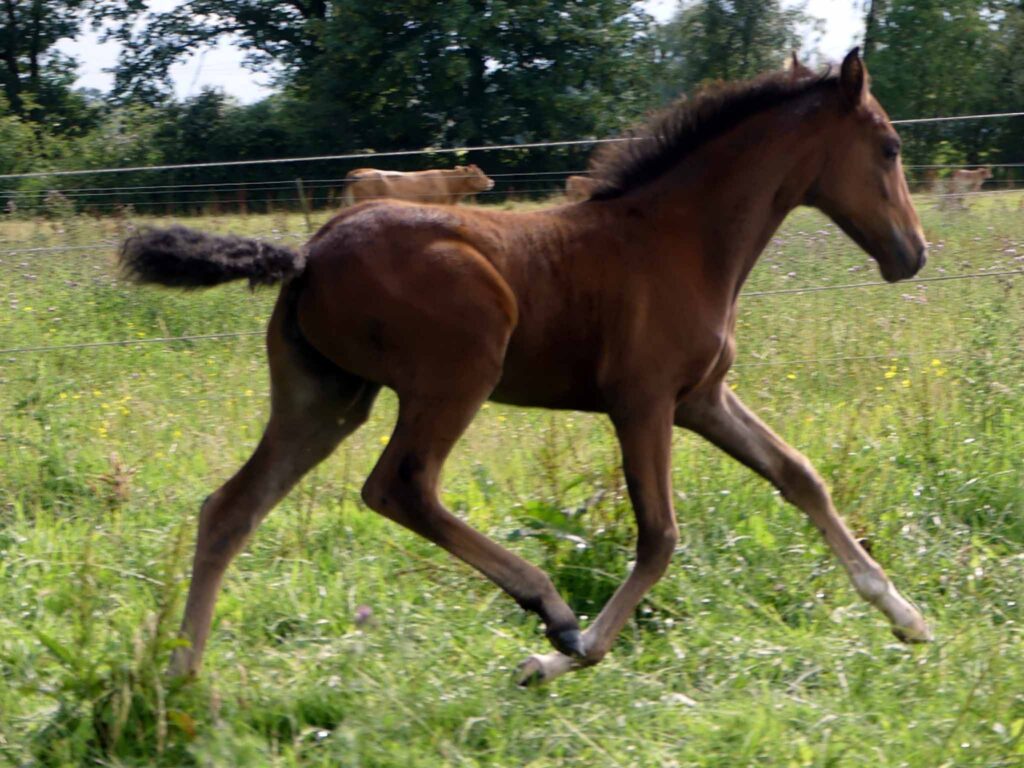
<point x="918" y="633"/>
<point x="530" y="672"/>
<point x="569" y="642"/>
<point x="541" y="668"/>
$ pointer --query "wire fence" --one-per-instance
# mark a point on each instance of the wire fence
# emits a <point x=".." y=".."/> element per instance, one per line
<point x="425" y="151"/>
<point x="223" y="335"/>
<point x="270" y="195"/>
<point x="526" y="183"/>
<point x="269" y="184"/>
<point x="278" y="181"/>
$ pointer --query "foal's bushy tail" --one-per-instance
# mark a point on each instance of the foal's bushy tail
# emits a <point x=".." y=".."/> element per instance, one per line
<point x="185" y="258"/>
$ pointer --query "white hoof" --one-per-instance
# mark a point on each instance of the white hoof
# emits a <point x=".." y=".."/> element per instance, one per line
<point x="915" y="632"/>
<point x="541" y="668"/>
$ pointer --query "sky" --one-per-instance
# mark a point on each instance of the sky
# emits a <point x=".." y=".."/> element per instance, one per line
<point x="221" y="67"/>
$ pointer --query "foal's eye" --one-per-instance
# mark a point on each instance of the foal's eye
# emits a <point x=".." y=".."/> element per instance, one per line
<point x="891" y="149"/>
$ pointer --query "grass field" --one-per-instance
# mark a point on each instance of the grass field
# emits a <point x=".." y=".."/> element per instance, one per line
<point x="752" y="651"/>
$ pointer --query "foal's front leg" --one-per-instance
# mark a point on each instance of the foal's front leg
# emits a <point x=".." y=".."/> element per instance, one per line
<point x="645" y="436"/>
<point x="724" y="420"/>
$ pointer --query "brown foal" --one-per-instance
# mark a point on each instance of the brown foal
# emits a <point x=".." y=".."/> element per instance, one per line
<point x="623" y="304"/>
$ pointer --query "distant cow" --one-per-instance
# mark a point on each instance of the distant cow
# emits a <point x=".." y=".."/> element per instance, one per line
<point x="962" y="182"/>
<point x="435" y="186"/>
<point x="579" y="188"/>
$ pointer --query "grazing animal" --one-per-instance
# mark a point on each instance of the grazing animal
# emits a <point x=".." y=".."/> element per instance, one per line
<point x="625" y="306"/>
<point x="448" y="186"/>
<point x="963" y="182"/>
<point x="579" y="188"/>
<point x="928" y="181"/>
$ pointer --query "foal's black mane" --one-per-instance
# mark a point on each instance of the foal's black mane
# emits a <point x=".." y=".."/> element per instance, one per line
<point x="683" y="127"/>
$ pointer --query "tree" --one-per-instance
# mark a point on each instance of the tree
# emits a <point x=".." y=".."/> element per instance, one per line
<point x="414" y="73"/>
<point x="282" y="33"/>
<point x="409" y="73"/>
<point x="36" y="78"/>
<point x="16" y="142"/>
<point x="873" y="10"/>
<point x="932" y="59"/>
<point x="1008" y="54"/>
<point x="731" y="39"/>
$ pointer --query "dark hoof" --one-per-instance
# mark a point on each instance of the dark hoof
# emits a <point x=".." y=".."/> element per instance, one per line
<point x="569" y="642"/>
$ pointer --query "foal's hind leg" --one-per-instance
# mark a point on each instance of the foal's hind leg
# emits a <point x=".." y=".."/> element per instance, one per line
<point x="404" y="487"/>
<point x="727" y="423"/>
<point x="311" y="412"/>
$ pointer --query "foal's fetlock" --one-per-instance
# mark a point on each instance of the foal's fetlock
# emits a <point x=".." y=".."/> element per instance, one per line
<point x="567" y="640"/>
<point x="562" y="629"/>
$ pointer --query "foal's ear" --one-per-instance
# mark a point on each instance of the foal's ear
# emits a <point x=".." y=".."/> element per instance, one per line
<point x="853" y="80"/>
<point x="797" y="70"/>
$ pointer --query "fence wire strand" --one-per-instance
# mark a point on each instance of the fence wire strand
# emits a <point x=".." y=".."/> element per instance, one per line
<point x="365" y="155"/>
<point x="238" y="334"/>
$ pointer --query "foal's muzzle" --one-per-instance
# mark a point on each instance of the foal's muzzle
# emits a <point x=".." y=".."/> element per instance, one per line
<point x="907" y="255"/>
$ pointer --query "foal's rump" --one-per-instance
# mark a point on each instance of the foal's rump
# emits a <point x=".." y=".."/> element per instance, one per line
<point x="388" y="292"/>
<point x="395" y="295"/>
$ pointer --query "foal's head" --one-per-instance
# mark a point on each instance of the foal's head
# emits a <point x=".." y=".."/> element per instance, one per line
<point x="861" y="185"/>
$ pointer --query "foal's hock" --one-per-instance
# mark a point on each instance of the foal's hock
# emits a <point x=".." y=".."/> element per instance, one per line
<point x="624" y="304"/>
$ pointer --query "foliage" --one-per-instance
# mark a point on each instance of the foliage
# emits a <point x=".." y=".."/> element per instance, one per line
<point x="719" y="40"/>
<point x="401" y="74"/>
<point x="930" y="58"/>
<point x="285" y="33"/>
<point x="410" y="73"/>
<point x="936" y="58"/>
<point x="16" y="142"/>
<point x="36" y="78"/>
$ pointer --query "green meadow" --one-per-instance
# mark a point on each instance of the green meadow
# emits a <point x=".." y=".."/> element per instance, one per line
<point x="343" y="640"/>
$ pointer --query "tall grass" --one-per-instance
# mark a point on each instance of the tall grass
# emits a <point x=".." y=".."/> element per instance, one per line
<point x="343" y="640"/>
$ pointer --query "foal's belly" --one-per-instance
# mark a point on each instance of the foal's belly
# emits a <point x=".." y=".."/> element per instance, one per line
<point x="538" y="391"/>
<point x="556" y="372"/>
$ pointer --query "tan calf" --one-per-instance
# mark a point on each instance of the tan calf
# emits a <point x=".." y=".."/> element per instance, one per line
<point x="443" y="185"/>
<point x="963" y="182"/>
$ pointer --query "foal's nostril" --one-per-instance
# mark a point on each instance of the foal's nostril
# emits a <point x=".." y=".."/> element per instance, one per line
<point x="917" y="250"/>
<point x="920" y="250"/>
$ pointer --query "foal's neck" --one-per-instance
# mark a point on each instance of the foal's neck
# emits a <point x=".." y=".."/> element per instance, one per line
<point x="737" y="190"/>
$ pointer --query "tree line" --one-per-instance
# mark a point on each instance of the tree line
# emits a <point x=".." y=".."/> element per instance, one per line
<point x="356" y="75"/>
